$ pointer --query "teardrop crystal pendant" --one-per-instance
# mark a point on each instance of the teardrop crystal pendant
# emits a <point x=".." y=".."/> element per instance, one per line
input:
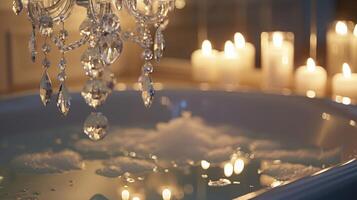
<point x="91" y="62"/>
<point x="159" y="44"/>
<point x="110" y="47"/>
<point x="17" y="6"/>
<point x="95" y="92"/>
<point x="64" y="99"/>
<point x="110" y="23"/>
<point x="45" y="88"/>
<point x="96" y="126"/>
<point x="147" y="89"/>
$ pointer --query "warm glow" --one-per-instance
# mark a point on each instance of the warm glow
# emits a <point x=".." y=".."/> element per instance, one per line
<point x="346" y="70"/>
<point x="125" y="195"/>
<point x="229" y="50"/>
<point x="136" y="198"/>
<point x="341" y="28"/>
<point x="166" y="194"/>
<point x="206" y="48"/>
<point x="205" y="164"/>
<point x="355" y="31"/>
<point x="228" y="169"/>
<point x="239" y="41"/>
<point x="311" y="66"/>
<point x="238" y="166"/>
<point x="277" y="39"/>
<point x="180" y="4"/>
<point x="346" y="100"/>
<point x="311" y="94"/>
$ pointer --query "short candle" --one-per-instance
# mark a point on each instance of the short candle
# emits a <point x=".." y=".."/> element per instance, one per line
<point x="310" y="80"/>
<point x="246" y="52"/>
<point x="228" y="64"/>
<point x="344" y="86"/>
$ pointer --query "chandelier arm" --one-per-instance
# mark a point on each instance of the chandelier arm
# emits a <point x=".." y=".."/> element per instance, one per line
<point x="157" y="17"/>
<point x="57" y="12"/>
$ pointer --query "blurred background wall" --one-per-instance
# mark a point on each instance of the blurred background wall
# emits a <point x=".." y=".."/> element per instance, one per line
<point x="192" y="21"/>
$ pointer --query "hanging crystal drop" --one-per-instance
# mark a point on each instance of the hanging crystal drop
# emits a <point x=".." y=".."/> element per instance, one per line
<point x="91" y="62"/>
<point x="96" y="126"/>
<point x="147" y="89"/>
<point x="63" y="99"/>
<point x="45" y="88"/>
<point x="110" y="47"/>
<point x="95" y="92"/>
<point x="32" y="45"/>
<point x="46" y="25"/>
<point x="147" y="54"/>
<point x="86" y="27"/>
<point x="110" y="23"/>
<point x="159" y="44"/>
<point x="147" y="68"/>
<point x="17" y="6"/>
<point x="118" y="4"/>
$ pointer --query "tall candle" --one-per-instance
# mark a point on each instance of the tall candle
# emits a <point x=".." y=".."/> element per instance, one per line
<point x="344" y="86"/>
<point x="339" y="41"/>
<point x="310" y="80"/>
<point x="246" y="52"/>
<point x="354" y="49"/>
<point x="204" y="63"/>
<point x="228" y="64"/>
<point x="277" y="60"/>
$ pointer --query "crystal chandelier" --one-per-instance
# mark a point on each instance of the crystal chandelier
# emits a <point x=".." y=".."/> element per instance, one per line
<point x="102" y="32"/>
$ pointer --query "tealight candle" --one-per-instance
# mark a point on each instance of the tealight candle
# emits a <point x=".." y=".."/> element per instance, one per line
<point x="228" y="64"/>
<point x="338" y="46"/>
<point x="344" y="86"/>
<point x="204" y="63"/>
<point x="277" y="60"/>
<point x="310" y="80"/>
<point x="246" y="52"/>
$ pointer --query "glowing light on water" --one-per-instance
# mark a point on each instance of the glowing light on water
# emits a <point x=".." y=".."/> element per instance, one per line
<point x="125" y="195"/>
<point x="238" y="166"/>
<point x="166" y="194"/>
<point x="228" y="169"/>
<point x="205" y="164"/>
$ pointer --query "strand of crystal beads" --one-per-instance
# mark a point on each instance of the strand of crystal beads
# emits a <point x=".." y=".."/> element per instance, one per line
<point x="159" y="43"/>
<point x="32" y="44"/>
<point x="45" y="83"/>
<point x="64" y="98"/>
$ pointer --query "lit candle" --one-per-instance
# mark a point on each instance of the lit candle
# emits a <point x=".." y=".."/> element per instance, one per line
<point x="238" y="166"/>
<point x="277" y="60"/>
<point x="204" y="63"/>
<point x="166" y="194"/>
<point x="228" y="169"/>
<point x="228" y="64"/>
<point x="246" y="52"/>
<point x="344" y="86"/>
<point x="310" y="80"/>
<point x="338" y="46"/>
<point x="125" y="195"/>
<point x="205" y="164"/>
<point x="354" y="48"/>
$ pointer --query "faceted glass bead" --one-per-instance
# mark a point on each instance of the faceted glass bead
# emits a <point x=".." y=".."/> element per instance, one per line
<point x="85" y="27"/>
<point x="96" y="126"/>
<point x="62" y="64"/>
<point x="62" y="76"/>
<point x="110" y="47"/>
<point x="148" y="68"/>
<point x="147" y="89"/>
<point x="147" y="54"/>
<point x="46" y="63"/>
<point x="63" y="100"/>
<point x="109" y="78"/>
<point x="17" y="6"/>
<point x="45" y="88"/>
<point x="46" y="48"/>
<point x="91" y="62"/>
<point x="95" y="92"/>
<point x="63" y="34"/>
<point x="159" y="44"/>
<point x="110" y="23"/>
<point x="46" y="25"/>
<point x="32" y="46"/>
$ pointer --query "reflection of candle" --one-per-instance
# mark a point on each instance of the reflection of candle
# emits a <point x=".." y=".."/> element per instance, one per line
<point x="344" y="86"/>
<point x="238" y="166"/>
<point x="166" y="194"/>
<point x="205" y="164"/>
<point x="125" y="195"/>
<point x="246" y="52"/>
<point x="338" y="46"/>
<point x="277" y="60"/>
<point x="228" y="169"/>
<point x="310" y="80"/>
<point x="228" y="63"/>
<point x="204" y="63"/>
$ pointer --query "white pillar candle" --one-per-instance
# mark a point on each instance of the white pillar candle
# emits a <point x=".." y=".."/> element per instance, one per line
<point x="246" y="52"/>
<point x="277" y="60"/>
<point x="310" y="80"/>
<point x="228" y="64"/>
<point x="339" y="38"/>
<point x="354" y="49"/>
<point x="344" y="86"/>
<point x="204" y="63"/>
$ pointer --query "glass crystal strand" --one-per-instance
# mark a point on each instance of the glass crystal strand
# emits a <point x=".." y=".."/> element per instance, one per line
<point x="45" y="83"/>
<point x="32" y="44"/>
<point x="159" y="43"/>
<point x="63" y="98"/>
<point x="17" y="6"/>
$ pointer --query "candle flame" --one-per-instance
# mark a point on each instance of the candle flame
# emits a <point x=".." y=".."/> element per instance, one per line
<point x="346" y="70"/>
<point x="206" y="48"/>
<point x="341" y="28"/>
<point x="239" y="41"/>
<point x="228" y="169"/>
<point x="229" y="50"/>
<point x="355" y="31"/>
<point x="311" y="94"/>
<point x="125" y="195"/>
<point x="205" y="164"/>
<point x="136" y="198"/>
<point x="278" y="39"/>
<point x="310" y="63"/>
<point x="238" y="166"/>
<point x="166" y="194"/>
